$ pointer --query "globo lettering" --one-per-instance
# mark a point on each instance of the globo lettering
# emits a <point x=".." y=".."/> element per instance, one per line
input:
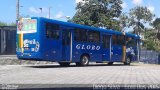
<point x="88" y="47"/>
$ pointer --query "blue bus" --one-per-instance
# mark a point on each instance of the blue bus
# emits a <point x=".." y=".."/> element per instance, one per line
<point x="43" y="39"/>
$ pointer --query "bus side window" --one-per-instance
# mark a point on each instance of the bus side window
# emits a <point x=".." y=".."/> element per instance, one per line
<point x="66" y="37"/>
<point x="121" y="40"/>
<point x="114" y="39"/>
<point x="94" y="36"/>
<point x="80" y="35"/>
<point x="105" y="41"/>
<point x="52" y="31"/>
<point x="130" y="41"/>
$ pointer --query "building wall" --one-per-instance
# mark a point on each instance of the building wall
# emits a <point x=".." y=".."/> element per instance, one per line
<point x="7" y="40"/>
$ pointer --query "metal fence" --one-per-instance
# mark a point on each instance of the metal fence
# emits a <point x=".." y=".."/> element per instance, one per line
<point x="7" y="40"/>
<point x="149" y="56"/>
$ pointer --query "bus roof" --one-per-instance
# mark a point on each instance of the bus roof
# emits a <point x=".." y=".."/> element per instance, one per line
<point x="85" y="27"/>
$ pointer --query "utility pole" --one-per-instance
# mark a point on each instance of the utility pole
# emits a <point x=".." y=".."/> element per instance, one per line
<point x="17" y="11"/>
<point x="40" y="11"/>
<point x="50" y="12"/>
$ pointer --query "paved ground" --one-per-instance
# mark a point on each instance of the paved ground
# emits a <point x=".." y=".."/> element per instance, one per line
<point x="92" y="74"/>
<point x="12" y="60"/>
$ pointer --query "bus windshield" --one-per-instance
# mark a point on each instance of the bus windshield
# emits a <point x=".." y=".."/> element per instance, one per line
<point x="27" y="25"/>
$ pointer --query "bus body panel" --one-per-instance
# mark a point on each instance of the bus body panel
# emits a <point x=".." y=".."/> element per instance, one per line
<point x="116" y="53"/>
<point x="91" y="49"/>
<point x="29" y="47"/>
<point x="52" y="49"/>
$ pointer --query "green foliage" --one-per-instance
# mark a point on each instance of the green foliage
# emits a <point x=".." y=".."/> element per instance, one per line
<point x="151" y="42"/>
<point x="149" y="45"/>
<point x="156" y="23"/>
<point x="12" y="24"/>
<point x="124" y="21"/>
<point x="3" y="24"/>
<point x="139" y="16"/>
<point x="98" y="13"/>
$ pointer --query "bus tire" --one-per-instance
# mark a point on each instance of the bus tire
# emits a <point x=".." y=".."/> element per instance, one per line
<point x="84" y="61"/>
<point x="78" y="64"/>
<point x="128" y="61"/>
<point x="64" y="64"/>
<point x="110" y="63"/>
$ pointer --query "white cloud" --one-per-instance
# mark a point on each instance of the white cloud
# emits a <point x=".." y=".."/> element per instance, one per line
<point x="45" y="9"/>
<point x="60" y="14"/>
<point x="34" y="10"/>
<point x="37" y="10"/>
<point x="124" y="5"/>
<point x="151" y="8"/>
<point x="77" y="1"/>
<point x="137" y="2"/>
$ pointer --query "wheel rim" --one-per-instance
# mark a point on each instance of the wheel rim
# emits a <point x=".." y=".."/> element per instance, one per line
<point x="85" y="60"/>
<point x="128" y="60"/>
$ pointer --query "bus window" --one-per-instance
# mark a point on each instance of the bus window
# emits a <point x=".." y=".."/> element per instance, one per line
<point x="106" y="41"/>
<point x="121" y="40"/>
<point x="66" y="35"/>
<point x="80" y="35"/>
<point x="94" y="36"/>
<point x="114" y="39"/>
<point x="52" y="31"/>
<point x="130" y="41"/>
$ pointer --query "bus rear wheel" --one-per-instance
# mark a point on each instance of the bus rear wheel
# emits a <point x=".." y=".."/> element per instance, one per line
<point x="64" y="64"/>
<point x="84" y="61"/>
<point x="110" y="63"/>
<point x="128" y="61"/>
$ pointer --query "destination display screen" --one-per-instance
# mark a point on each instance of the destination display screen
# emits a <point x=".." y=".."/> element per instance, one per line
<point x="27" y="26"/>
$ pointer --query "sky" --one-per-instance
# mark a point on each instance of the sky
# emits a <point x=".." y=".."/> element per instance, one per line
<point x="59" y="9"/>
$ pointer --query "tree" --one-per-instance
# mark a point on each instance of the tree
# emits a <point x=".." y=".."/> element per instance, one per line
<point x="7" y="24"/>
<point x="98" y="13"/>
<point x="124" y="21"/>
<point x="151" y="42"/>
<point x="3" y="24"/>
<point x="12" y="24"/>
<point x="156" y="25"/>
<point x="139" y="16"/>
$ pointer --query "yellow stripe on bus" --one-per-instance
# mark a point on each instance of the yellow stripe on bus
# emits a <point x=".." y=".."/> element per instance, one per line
<point x="21" y="41"/>
<point x="123" y="53"/>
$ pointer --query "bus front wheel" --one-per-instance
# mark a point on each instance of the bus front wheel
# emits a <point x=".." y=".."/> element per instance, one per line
<point x="84" y="61"/>
<point x="64" y="64"/>
<point x="110" y="63"/>
<point x="128" y="61"/>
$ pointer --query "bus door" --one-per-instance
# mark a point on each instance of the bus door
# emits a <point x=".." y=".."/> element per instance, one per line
<point x="106" y="47"/>
<point x="66" y="45"/>
<point x="118" y="48"/>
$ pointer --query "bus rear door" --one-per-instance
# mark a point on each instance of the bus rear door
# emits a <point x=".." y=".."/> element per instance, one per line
<point x="118" y="48"/>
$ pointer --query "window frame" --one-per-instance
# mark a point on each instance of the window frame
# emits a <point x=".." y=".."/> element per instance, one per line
<point x="132" y="44"/>
<point x="94" y="37"/>
<point x="114" y="40"/>
<point x="106" y="44"/>
<point x="51" y="31"/>
<point x="79" y="37"/>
